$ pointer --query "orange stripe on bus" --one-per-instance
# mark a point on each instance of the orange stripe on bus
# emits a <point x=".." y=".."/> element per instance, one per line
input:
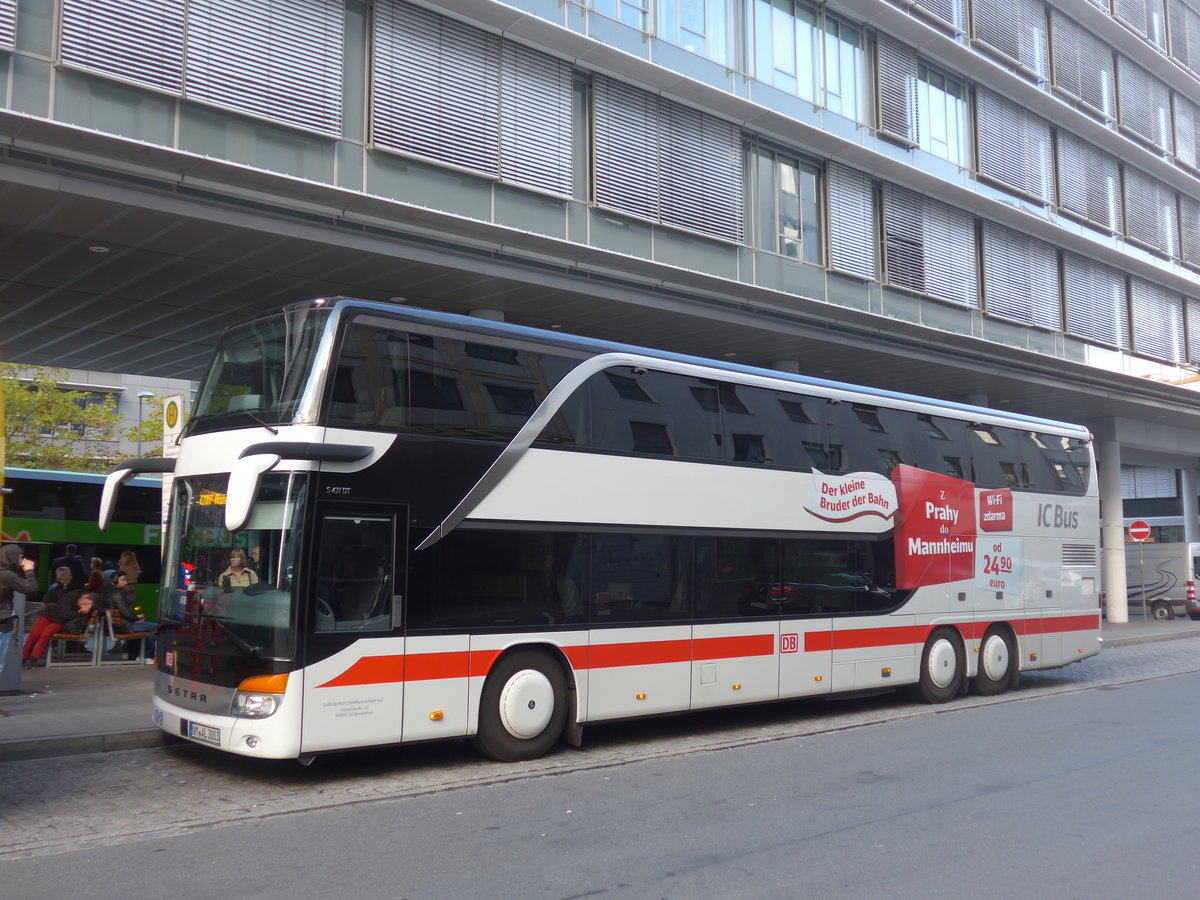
<point x="731" y="647"/>
<point x="461" y="664"/>
<point x="645" y="653"/>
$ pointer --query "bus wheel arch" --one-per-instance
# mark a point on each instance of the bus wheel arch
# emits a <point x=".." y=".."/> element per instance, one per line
<point x="998" y="661"/>
<point x="524" y="705"/>
<point x="943" y="666"/>
<point x="1162" y="610"/>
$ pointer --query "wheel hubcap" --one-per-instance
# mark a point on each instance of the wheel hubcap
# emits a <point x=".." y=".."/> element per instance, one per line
<point x="527" y="704"/>
<point x="943" y="663"/>
<point x="995" y="657"/>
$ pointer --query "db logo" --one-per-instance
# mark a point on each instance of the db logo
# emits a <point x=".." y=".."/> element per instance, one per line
<point x="789" y="643"/>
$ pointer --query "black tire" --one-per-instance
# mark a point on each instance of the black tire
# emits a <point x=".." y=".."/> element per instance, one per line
<point x="1162" y="611"/>
<point x="1195" y="617"/>
<point x="514" y="721"/>
<point x="941" y="675"/>
<point x="996" y="660"/>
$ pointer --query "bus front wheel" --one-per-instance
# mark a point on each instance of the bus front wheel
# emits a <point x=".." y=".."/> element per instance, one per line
<point x="941" y="667"/>
<point x="996" y="659"/>
<point x="523" y="707"/>
<point x="1162" y="611"/>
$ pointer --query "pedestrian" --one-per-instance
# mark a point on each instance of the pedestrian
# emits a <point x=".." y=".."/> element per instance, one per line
<point x="59" y="604"/>
<point x="16" y="577"/>
<point x="128" y="566"/>
<point x="96" y="578"/>
<point x="119" y="597"/>
<point x="72" y="560"/>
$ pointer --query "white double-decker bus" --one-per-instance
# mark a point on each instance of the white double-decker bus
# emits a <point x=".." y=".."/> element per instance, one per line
<point x="459" y="527"/>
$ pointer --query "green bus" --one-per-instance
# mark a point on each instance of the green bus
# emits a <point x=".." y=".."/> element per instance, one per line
<point x="45" y="510"/>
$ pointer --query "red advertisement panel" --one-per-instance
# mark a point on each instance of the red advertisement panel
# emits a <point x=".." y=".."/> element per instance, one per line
<point x="996" y="510"/>
<point x="935" y="528"/>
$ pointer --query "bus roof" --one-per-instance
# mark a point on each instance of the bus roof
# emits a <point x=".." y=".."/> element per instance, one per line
<point x="593" y="345"/>
<point x="154" y="481"/>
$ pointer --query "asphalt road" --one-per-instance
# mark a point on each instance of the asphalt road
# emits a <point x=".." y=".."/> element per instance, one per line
<point x="1077" y="785"/>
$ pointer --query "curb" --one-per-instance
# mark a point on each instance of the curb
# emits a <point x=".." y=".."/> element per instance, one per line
<point x="75" y="744"/>
<point x="1147" y="638"/>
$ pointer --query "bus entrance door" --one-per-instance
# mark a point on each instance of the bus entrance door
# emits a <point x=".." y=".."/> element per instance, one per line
<point x="354" y="642"/>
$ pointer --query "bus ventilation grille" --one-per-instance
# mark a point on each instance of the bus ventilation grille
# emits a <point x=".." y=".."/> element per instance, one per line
<point x="1078" y="555"/>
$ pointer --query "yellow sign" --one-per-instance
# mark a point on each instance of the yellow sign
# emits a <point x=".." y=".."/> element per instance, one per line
<point x="172" y="414"/>
<point x="210" y="498"/>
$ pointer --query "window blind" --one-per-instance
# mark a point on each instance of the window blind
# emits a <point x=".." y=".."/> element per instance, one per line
<point x="1144" y="17"/>
<point x="1095" y="301"/>
<point x="1089" y="181"/>
<point x="1187" y="131"/>
<point x="1020" y="278"/>
<point x="8" y="24"/>
<point x="1189" y="231"/>
<point x="949" y="12"/>
<point x="136" y="40"/>
<point x="281" y="59"/>
<point x="1157" y="316"/>
<point x="929" y="247"/>
<point x="660" y="160"/>
<point x="1193" y="331"/>
<point x="1138" y="482"/>
<point x="1150" y="213"/>
<point x="1014" y="146"/>
<point x="1083" y="65"/>
<point x="851" y="222"/>
<point x="459" y="95"/>
<point x="897" y="70"/>
<point x="1014" y="28"/>
<point x="1144" y="104"/>
<point x="1185" y="34"/>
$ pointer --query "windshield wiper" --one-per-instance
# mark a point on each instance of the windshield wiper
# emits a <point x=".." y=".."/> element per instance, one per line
<point x="234" y="638"/>
<point x="263" y="423"/>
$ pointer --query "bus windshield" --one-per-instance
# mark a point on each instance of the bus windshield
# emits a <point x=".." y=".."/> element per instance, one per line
<point x="260" y="371"/>
<point x="229" y="612"/>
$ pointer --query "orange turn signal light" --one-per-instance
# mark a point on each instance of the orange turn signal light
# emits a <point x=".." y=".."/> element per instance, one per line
<point x="265" y="684"/>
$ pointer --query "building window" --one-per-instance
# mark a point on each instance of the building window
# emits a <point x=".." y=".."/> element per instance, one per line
<point x="1089" y="182"/>
<point x="1015" y="147"/>
<point x="1144" y="17"/>
<point x="844" y="69"/>
<point x="1151" y="217"/>
<point x="786" y="49"/>
<point x="461" y="96"/>
<point x="929" y="247"/>
<point x="701" y="26"/>
<point x="1096" y="301"/>
<point x="1157" y="320"/>
<point x="1016" y="29"/>
<point x="631" y="12"/>
<point x="786" y="203"/>
<point x="651" y="437"/>
<point x="1083" y="65"/>
<point x="1020" y="278"/>
<point x="666" y="162"/>
<point x="920" y="104"/>
<point x="1144" y="104"/>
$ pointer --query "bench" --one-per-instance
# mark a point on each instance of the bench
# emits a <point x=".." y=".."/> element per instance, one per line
<point x="118" y="631"/>
<point x="62" y="641"/>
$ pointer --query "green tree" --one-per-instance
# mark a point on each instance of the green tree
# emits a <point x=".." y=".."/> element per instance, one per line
<point x="46" y="427"/>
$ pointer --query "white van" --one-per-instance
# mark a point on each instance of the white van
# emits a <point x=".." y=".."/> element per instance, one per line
<point x="1163" y="576"/>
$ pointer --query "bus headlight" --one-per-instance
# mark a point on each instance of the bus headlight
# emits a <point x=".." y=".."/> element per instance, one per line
<point x="255" y="706"/>
<point x="260" y="696"/>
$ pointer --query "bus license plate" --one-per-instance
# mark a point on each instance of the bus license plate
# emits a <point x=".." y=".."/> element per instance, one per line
<point x="204" y="734"/>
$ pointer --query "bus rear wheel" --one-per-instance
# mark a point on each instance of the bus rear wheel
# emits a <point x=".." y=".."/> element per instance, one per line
<point x="941" y="667"/>
<point x="523" y="707"/>
<point x="1161" y="610"/>
<point x="996" y="659"/>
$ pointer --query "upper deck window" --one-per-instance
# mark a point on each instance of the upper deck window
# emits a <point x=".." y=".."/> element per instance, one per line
<point x="260" y="371"/>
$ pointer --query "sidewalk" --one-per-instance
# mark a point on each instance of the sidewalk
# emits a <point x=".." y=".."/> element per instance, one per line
<point x="80" y="709"/>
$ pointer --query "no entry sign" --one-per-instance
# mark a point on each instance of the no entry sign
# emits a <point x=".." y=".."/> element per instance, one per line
<point x="1139" y="531"/>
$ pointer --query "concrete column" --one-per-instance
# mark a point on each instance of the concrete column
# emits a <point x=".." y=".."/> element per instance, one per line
<point x="1187" y="490"/>
<point x="1112" y="531"/>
